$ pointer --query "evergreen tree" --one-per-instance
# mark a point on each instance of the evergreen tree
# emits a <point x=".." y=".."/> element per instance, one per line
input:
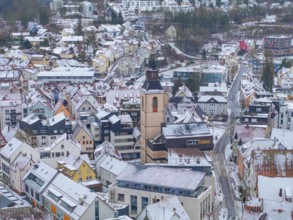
<point x="268" y="72"/>
<point x="45" y="43"/>
<point x="286" y="63"/>
<point x="204" y="54"/>
<point x="44" y="16"/>
<point x="79" y="27"/>
<point x="114" y="18"/>
<point x="218" y="3"/>
<point x="236" y="136"/>
<point x="63" y="11"/>
<point x="176" y="86"/>
<point x="120" y="18"/>
<point x="27" y="44"/>
<point x="240" y="142"/>
<point x="192" y="84"/>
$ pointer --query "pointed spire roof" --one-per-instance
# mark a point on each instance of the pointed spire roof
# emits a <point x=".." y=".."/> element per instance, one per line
<point x="152" y="81"/>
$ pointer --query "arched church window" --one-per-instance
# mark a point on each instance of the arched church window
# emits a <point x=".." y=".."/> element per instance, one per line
<point x="155" y="104"/>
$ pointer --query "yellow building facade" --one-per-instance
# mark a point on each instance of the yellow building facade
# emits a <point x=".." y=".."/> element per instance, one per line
<point x="79" y="172"/>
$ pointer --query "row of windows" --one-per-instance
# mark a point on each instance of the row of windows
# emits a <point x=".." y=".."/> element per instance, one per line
<point x="85" y="142"/>
<point x="192" y="142"/>
<point x="159" y="189"/>
<point x="45" y="131"/>
<point x="123" y="140"/>
<point x="63" y="204"/>
<point x="205" y="207"/>
<point x="53" y="154"/>
<point x="32" y="193"/>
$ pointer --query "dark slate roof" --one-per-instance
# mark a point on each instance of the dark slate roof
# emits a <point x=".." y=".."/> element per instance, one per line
<point x="152" y="85"/>
<point x="199" y="111"/>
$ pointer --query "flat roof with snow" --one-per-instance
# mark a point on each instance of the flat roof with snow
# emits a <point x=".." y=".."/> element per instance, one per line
<point x="185" y="129"/>
<point x="162" y="176"/>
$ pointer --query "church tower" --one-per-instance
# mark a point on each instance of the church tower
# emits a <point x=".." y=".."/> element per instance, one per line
<point x="152" y="109"/>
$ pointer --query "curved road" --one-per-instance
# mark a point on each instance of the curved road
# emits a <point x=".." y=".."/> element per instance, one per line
<point x="219" y="150"/>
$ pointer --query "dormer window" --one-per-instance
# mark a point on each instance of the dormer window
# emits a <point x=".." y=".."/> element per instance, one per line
<point x="155" y="104"/>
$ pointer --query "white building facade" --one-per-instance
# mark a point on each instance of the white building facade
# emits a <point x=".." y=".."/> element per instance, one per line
<point x="154" y="184"/>
<point x="286" y="116"/>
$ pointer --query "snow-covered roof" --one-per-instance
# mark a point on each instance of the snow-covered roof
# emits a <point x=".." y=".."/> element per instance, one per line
<point x="67" y="71"/>
<point x="166" y="209"/>
<point x="56" y="119"/>
<point x="20" y="161"/>
<point x="106" y="148"/>
<point x="183" y="90"/>
<point x="162" y="176"/>
<point x="277" y="161"/>
<point x="284" y="136"/>
<point x="187" y="157"/>
<point x="44" y="172"/>
<point x="75" y="195"/>
<point x="72" y="38"/>
<point x="206" y="98"/>
<point x="269" y="188"/>
<point x="257" y="144"/>
<point x="113" y="165"/>
<point x="249" y="132"/>
<point x="187" y="129"/>
<point x="125" y="119"/>
<point x="11" y="147"/>
<point x="114" y="119"/>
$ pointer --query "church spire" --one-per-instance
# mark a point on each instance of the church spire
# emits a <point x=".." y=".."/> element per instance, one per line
<point x="152" y="62"/>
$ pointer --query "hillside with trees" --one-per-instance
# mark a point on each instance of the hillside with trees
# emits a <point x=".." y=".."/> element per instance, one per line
<point x="23" y="10"/>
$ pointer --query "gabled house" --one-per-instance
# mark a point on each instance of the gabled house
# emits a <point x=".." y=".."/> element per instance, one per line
<point x="10" y="108"/>
<point x="20" y="166"/>
<point x="170" y="209"/>
<point x="87" y="104"/>
<point x="62" y="146"/>
<point x="83" y="102"/>
<point x="9" y="153"/>
<point x="102" y="152"/>
<point x="66" y="199"/>
<point x="84" y="137"/>
<point x="62" y="106"/>
<point x="36" y="181"/>
<point x="100" y="64"/>
<point x="40" y="59"/>
<point x="125" y="66"/>
<point x="105" y="30"/>
<point x="67" y="32"/>
<point x="77" y="168"/>
<point x="35" y="40"/>
<point x="214" y="106"/>
<point x="171" y="33"/>
<point x="40" y="107"/>
<point x="110" y="169"/>
<point x="41" y="133"/>
<point x="183" y="91"/>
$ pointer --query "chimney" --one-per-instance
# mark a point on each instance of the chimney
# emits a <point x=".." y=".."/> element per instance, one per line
<point x="275" y="141"/>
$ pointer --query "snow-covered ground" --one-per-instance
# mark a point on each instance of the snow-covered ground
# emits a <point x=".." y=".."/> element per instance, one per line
<point x="223" y="214"/>
<point x="275" y="210"/>
<point x="217" y="129"/>
<point x="270" y="19"/>
<point x="178" y="51"/>
<point x="228" y="153"/>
